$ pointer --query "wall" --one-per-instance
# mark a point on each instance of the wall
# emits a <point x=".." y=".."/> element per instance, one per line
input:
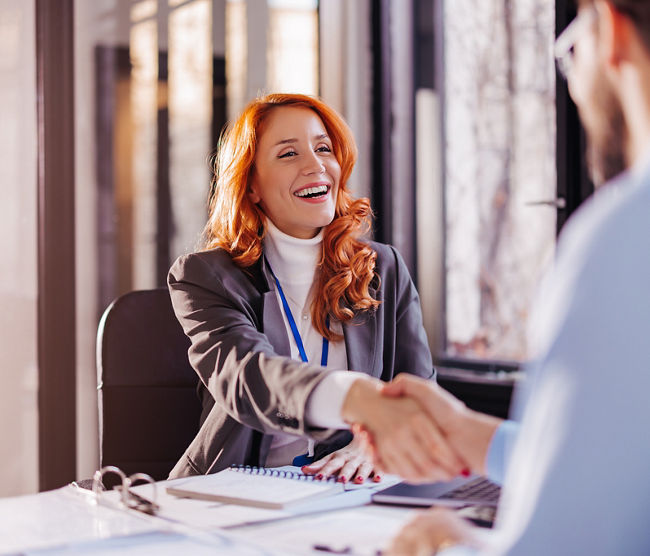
<point x="18" y="250"/>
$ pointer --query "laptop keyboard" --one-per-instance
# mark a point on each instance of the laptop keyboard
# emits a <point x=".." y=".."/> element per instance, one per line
<point x="479" y="490"/>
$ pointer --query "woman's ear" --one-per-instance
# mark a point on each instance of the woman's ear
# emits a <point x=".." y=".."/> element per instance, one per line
<point x="253" y="195"/>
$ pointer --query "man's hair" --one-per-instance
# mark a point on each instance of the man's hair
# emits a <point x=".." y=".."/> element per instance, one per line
<point x="637" y="10"/>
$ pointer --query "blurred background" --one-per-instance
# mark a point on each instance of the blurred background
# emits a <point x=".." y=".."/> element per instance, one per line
<point x="469" y="148"/>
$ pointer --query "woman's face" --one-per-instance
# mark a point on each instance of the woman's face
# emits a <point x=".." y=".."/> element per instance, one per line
<point x="296" y="176"/>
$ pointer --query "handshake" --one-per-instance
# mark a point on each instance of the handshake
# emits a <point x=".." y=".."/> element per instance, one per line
<point x="413" y="428"/>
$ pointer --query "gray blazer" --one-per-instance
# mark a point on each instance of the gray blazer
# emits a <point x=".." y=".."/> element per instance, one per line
<point x="249" y="385"/>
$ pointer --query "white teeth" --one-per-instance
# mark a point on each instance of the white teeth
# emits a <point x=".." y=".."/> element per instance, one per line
<point x="318" y="190"/>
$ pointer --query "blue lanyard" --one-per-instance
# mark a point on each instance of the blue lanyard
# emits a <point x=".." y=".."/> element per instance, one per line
<point x="294" y="328"/>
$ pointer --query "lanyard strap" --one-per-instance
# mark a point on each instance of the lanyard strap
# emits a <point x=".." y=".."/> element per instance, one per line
<point x="294" y="328"/>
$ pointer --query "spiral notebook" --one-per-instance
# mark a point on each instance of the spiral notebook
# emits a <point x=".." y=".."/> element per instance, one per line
<point x="256" y="486"/>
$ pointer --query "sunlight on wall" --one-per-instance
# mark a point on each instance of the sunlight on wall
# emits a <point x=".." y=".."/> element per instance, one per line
<point x="190" y="116"/>
<point x="236" y="56"/>
<point x="143" y="50"/>
<point x="18" y="248"/>
<point x="292" y="53"/>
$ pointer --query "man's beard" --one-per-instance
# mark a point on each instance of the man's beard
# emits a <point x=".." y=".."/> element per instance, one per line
<point x="607" y="141"/>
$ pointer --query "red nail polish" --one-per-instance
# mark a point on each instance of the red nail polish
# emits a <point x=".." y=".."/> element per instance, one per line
<point x="319" y="477"/>
<point x="342" y="479"/>
<point x="466" y="472"/>
<point x="376" y="478"/>
<point x="358" y="480"/>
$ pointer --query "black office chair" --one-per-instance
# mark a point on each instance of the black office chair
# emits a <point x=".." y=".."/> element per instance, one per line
<point x="148" y="406"/>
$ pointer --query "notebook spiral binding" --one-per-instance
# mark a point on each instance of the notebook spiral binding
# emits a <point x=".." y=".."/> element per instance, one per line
<point x="282" y="473"/>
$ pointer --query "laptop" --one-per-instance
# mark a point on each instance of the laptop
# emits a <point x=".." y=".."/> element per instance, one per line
<point x="462" y="491"/>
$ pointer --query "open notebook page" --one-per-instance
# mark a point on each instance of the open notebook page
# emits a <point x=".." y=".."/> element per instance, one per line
<point x="241" y="486"/>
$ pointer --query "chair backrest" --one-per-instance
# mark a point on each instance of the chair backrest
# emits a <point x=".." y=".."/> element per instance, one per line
<point x="149" y="410"/>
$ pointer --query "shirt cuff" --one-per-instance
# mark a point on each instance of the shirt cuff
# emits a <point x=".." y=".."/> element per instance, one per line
<point x="326" y="401"/>
<point x="458" y="550"/>
<point x="500" y="449"/>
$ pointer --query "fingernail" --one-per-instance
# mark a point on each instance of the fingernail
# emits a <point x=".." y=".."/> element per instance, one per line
<point x="358" y="480"/>
<point x="466" y="472"/>
<point x="342" y="479"/>
<point x="319" y="477"/>
<point x="376" y="478"/>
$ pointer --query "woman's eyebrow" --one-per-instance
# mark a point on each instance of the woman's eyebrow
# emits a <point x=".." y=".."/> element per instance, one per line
<point x="285" y="141"/>
<point x="294" y="140"/>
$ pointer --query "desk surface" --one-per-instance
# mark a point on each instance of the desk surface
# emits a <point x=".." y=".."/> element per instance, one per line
<point x="364" y="531"/>
<point x="68" y="521"/>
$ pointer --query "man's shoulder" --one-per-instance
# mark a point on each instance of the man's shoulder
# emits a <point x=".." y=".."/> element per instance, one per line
<point x="615" y="217"/>
<point x="601" y="252"/>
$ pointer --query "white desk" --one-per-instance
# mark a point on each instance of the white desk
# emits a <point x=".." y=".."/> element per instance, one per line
<point x="66" y="521"/>
<point x="364" y="531"/>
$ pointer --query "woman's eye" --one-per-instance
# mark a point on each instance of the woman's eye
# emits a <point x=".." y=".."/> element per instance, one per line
<point x="324" y="149"/>
<point x="288" y="154"/>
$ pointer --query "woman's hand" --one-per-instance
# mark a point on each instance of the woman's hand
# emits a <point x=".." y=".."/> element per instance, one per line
<point x="432" y="531"/>
<point x="403" y="438"/>
<point x="348" y="464"/>
<point x="467" y="432"/>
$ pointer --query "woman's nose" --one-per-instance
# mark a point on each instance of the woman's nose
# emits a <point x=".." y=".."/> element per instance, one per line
<point x="313" y="164"/>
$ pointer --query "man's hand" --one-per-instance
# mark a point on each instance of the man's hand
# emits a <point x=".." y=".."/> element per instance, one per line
<point x="405" y="440"/>
<point x="430" y="532"/>
<point x="467" y="432"/>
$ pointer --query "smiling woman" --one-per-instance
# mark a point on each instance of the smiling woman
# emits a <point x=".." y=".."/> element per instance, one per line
<point x="288" y="305"/>
<point x="259" y="156"/>
<point x="295" y="176"/>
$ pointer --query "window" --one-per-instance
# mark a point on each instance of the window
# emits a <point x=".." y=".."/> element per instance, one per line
<point x="493" y="189"/>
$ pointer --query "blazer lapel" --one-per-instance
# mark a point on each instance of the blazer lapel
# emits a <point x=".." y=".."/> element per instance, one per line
<point x="274" y="325"/>
<point x="361" y="343"/>
<point x="272" y="320"/>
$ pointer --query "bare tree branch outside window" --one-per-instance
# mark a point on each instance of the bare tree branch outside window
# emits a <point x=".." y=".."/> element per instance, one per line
<point x="500" y="156"/>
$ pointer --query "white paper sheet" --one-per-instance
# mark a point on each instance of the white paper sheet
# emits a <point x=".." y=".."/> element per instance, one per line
<point x="63" y="516"/>
<point x="363" y="531"/>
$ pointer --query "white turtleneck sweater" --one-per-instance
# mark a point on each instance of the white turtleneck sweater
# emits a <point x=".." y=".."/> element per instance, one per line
<point x="294" y="263"/>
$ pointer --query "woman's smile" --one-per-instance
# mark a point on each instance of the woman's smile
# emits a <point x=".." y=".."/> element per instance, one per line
<point x="313" y="192"/>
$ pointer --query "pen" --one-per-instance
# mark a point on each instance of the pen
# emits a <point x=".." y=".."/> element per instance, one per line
<point x="331" y="550"/>
<point x="342" y="550"/>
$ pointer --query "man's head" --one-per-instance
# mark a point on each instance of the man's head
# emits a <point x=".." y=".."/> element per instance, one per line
<point x="603" y="53"/>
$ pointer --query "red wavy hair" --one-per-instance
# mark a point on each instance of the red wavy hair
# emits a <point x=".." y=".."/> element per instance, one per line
<point x="236" y="224"/>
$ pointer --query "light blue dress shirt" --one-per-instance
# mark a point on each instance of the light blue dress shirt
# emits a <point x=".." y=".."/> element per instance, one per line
<point x="576" y="478"/>
<point x="500" y="450"/>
